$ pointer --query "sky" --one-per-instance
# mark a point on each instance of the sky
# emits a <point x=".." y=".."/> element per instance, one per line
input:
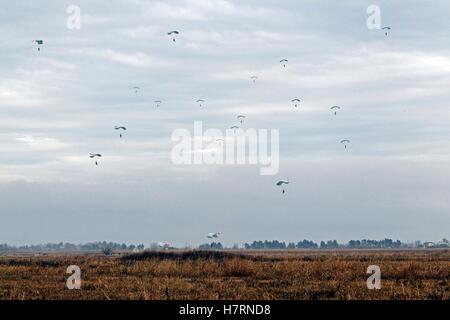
<point x="61" y="103"/>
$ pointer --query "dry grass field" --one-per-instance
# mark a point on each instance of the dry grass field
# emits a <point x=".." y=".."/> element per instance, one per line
<point x="229" y="275"/>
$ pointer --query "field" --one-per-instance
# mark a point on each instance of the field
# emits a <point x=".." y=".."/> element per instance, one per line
<point x="236" y="274"/>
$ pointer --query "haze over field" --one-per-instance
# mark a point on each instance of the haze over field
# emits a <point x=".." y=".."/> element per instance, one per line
<point x="61" y="103"/>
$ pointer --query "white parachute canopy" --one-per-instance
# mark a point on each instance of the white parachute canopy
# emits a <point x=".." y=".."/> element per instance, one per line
<point x="284" y="61"/>
<point x="95" y="155"/>
<point x="281" y="183"/>
<point x="213" y="235"/>
<point x="335" y="108"/>
<point x="173" y="33"/>
<point x="120" y="128"/>
<point x="345" y="142"/>
<point x="39" y="43"/>
<point x="386" y="29"/>
<point x="296" y="101"/>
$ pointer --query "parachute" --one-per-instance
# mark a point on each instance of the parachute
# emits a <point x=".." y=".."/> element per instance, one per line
<point x="39" y="43"/>
<point x="170" y="33"/>
<point x="254" y="78"/>
<point x="158" y="102"/>
<point x="200" y="101"/>
<point x="297" y="101"/>
<point x="136" y="89"/>
<point x="213" y="235"/>
<point x="94" y="155"/>
<point x="234" y="128"/>
<point x="284" y="61"/>
<point x="241" y="118"/>
<point x="163" y="245"/>
<point x="281" y="183"/>
<point x="386" y="28"/>
<point x="345" y="142"/>
<point x="335" y="108"/>
<point x="120" y="128"/>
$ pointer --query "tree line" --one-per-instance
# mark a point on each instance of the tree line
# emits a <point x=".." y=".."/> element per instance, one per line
<point x="70" y="247"/>
<point x="108" y="247"/>
<point x="308" y="244"/>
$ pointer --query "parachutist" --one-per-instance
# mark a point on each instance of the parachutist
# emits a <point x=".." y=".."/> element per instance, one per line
<point x="39" y="43"/>
<point x="171" y="33"/>
<point x="120" y="128"/>
<point x="281" y="182"/>
<point x="297" y="101"/>
<point x="213" y="235"/>
<point x="335" y="109"/>
<point x="345" y="143"/>
<point x="93" y="155"/>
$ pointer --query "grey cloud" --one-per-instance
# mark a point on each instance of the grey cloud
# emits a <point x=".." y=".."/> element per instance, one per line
<point x="63" y="102"/>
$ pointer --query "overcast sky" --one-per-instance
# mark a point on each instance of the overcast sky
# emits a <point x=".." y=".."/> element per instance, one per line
<point x="62" y="103"/>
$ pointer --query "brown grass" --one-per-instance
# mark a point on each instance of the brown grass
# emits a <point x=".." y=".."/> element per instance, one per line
<point x="230" y="275"/>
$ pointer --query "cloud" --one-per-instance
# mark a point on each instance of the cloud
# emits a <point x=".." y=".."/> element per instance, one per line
<point x="63" y="102"/>
<point x="135" y="59"/>
<point x="41" y="143"/>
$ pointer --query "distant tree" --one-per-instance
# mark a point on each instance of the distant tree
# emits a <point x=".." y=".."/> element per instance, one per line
<point x="214" y="246"/>
<point x="107" y="250"/>
<point x="306" y="244"/>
